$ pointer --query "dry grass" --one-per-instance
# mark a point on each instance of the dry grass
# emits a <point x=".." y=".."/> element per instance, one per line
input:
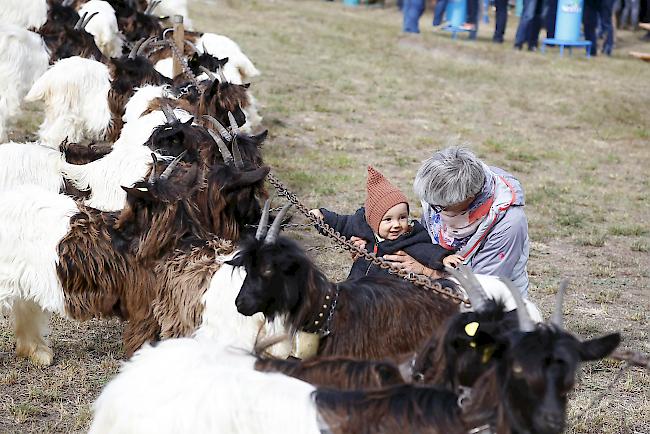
<point x="342" y="88"/>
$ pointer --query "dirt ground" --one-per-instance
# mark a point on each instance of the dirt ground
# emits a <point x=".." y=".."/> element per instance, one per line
<point x="342" y="88"/>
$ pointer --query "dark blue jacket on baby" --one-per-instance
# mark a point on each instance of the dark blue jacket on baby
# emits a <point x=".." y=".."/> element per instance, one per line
<point x="415" y="243"/>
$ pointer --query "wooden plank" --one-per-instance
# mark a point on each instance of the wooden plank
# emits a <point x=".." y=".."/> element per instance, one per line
<point x="179" y="40"/>
<point x="643" y="56"/>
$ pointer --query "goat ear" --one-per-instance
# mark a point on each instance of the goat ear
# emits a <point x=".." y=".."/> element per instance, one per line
<point x="594" y="349"/>
<point x="246" y="85"/>
<point x="138" y="192"/>
<point x="237" y="261"/>
<point x="248" y="178"/>
<point x="259" y="138"/>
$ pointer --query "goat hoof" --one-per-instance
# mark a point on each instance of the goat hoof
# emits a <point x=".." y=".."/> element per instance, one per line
<point x="38" y="354"/>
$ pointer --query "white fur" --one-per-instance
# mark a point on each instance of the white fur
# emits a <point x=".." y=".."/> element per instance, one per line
<point x="27" y="14"/>
<point x="75" y="93"/>
<point x="32" y="223"/>
<point x="126" y="164"/>
<point x="30" y="163"/>
<point x="174" y="7"/>
<point x="498" y="291"/>
<point x="23" y="58"/>
<point x="103" y="27"/>
<point x="221" y="46"/>
<point x="206" y="383"/>
<point x="139" y="102"/>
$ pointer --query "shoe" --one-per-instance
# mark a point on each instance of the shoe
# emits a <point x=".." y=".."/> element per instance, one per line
<point x="497" y="40"/>
<point x="518" y="46"/>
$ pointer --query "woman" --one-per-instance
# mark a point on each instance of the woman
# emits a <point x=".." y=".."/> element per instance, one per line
<point x="474" y="210"/>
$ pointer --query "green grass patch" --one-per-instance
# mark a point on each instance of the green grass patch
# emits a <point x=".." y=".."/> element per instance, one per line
<point x="640" y="246"/>
<point x="628" y="230"/>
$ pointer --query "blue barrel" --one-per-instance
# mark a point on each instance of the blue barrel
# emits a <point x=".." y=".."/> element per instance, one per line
<point x="351" y="2"/>
<point x="519" y="6"/>
<point x="569" y="19"/>
<point x="456" y="12"/>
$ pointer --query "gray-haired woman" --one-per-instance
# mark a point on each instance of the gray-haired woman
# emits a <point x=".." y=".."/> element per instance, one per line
<point x="475" y="210"/>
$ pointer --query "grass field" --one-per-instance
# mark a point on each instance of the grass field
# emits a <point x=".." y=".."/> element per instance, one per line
<point x="342" y="88"/>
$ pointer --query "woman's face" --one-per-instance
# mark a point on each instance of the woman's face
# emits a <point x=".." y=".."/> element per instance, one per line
<point x="458" y="208"/>
<point x="395" y="222"/>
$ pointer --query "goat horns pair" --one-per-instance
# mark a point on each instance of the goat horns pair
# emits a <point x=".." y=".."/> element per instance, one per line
<point x="228" y="158"/>
<point x="140" y="46"/>
<point x="526" y="324"/>
<point x="168" y="171"/>
<point x="470" y="283"/>
<point x="169" y="114"/>
<point x="272" y="234"/>
<point x="84" y="20"/>
<point x="151" y="6"/>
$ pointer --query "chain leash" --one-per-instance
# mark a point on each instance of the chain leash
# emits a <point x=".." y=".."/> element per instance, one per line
<point x="417" y="279"/>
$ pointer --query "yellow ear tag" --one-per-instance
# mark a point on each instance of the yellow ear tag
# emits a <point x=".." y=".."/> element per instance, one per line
<point x="471" y="328"/>
<point x="487" y="354"/>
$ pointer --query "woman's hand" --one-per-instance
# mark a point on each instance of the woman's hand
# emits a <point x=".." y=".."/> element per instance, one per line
<point x="452" y="261"/>
<point x="406" y="262"/>
<point x="360" y="243"/>
<point x="316" y="213"/>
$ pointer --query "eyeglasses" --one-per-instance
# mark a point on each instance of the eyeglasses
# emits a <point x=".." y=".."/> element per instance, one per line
<point x="437" y="208"/>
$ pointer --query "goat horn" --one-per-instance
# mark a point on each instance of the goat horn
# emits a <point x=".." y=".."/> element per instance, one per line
<point x="272" y="235"/>
<point x="87" y="20"/>
<point x="225" y="153"/>
<point x="205" y="50"/>
<point x="236" y="153"/>
<point x="556" y="319"/>
<point x="80" y="21"/>
<point x="222" y="130"/>
<point x="472" y="286"/>
<point x="164" y="33"/>
<point x="234" y="128"/>
<point x="152" y="175"/>
<point x="67" y="3"/>
<point x="222" y="76"/>
<point x="192" y="46"/>
<point x="209" y="73"/>
<point x="151" y="6"/>
<point x="144" y="45"/>
<point x="136" y="48"/>
<point x="169" y="114"/>
<point x="264" y="221"/>
<point x="526" y="324"/>
<point x="168" y="171"/>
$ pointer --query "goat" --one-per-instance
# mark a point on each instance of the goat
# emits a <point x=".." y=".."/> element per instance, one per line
<point x="372" y="317"/>
<point x="104" y="28"/>
<point x="90" y="263"/>
<point x="23" y="58"/>
<point x="26" y="14"/>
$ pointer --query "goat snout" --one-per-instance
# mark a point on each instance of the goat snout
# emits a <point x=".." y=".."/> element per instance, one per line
<point x="244" y="307"/>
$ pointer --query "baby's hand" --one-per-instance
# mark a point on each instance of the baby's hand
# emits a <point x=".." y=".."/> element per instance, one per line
<point x="452" y="261"/>
<point x="316" y="213"/>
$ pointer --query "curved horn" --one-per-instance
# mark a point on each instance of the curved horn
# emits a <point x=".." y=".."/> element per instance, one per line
<point x="144" y="46"/>
<point x="264" y="221"/>
<point x="222" y="130"/>
<point x="87" y="20"/>
<point x="234" y="128"/>
<point x="80" y="21"/>
<point x="169" y="114"/>
<point x="152" y="175"/>
<point x="67" y="3"/>
<point x="164" y="33"/>
<point x="225" y="153"/>
<point x="168" y="171"/>
<point x="472" y="286"/>
<point x="205" y="50"/>
<point x="236" y="154"/>
<point x="222" y="76"/>
<point x="272" y="235"/>
<point x="526" y="324"/>
<point x="556" y="319"/>
<point x="136" y="48"/>
<point x="151" y="6"/>
<point x="192" y="46"/>
<point x="209" y="73"/>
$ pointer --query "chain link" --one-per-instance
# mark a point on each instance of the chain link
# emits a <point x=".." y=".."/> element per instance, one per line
<point x="177" y="54"/>
<point x="417" y="279"/>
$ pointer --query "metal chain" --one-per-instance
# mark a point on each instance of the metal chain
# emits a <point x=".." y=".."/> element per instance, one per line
<point x="417" y="279"/>
<point x="177" y="54"/>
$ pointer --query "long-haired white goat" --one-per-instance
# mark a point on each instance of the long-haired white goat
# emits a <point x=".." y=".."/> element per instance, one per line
<point x="103" y="27"/>
<point x="26" y="14"/>
<point x="23" y="58"/>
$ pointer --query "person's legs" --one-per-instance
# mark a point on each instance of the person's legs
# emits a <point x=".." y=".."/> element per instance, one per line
<point x="605" y="12"/>
<point x="550" y="12"/>
<point x="439" y="12"/>
<point x="634" y="13"/>
<point x="527" y="14"/>
<point x="535" y="25"/>
<point x="501" y="20"/>
<point x="590" y="21"/>
<point x="412" y="10"/>
<point x="471" y="17"/>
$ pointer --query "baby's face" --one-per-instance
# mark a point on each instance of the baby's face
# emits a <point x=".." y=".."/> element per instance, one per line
<point x="395" y="222"/>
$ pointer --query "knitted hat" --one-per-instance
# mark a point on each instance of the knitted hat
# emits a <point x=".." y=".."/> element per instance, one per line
<point x="381" y="196"/>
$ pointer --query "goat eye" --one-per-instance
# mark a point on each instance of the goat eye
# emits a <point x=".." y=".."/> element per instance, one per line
<point x="266" y="272"/>
<point x="517" y="369"/>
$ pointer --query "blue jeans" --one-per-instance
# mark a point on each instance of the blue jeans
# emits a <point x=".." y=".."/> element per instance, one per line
<point x="439" y="12"/>
<point x="593" y="11"/>
<point x="412" y="10"/>
<point x="501" y="19"/>
<point x="530" y="23"/>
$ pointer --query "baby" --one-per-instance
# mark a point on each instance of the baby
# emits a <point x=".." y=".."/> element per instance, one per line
<point x="384" y="224"/>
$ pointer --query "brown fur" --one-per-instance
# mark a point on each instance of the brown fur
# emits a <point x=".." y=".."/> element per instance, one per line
<point x="338" y="372"/>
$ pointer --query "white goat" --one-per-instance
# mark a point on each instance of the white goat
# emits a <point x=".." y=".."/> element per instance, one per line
<point x="174" y="7"/>
<point x="103" y="27"/>
<point x="139" y="102"/>
<point x="75" y="94"/>
<point x="23" y="58"/>
<point x="26" y="14"/>
<point x="209" y="376"/>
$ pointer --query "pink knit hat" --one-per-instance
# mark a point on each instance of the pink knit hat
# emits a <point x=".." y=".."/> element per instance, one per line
<point x="381" y="196"/>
